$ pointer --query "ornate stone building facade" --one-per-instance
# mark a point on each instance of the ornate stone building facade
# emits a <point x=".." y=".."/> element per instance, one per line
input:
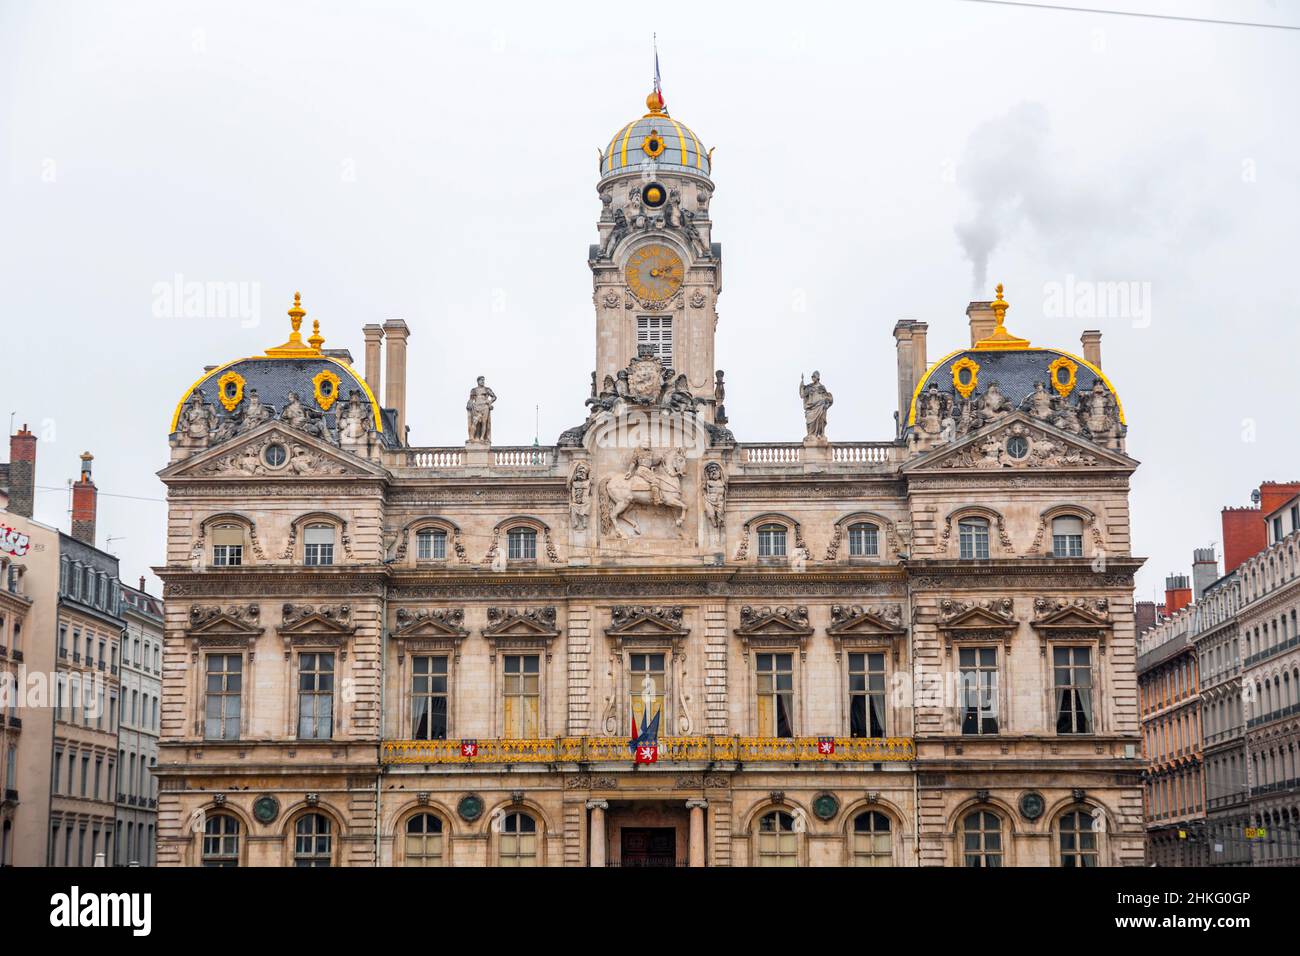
<point x="651" y="643"/>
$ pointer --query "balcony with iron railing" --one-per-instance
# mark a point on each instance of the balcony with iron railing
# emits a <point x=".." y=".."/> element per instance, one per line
<point x="579" y="750"/>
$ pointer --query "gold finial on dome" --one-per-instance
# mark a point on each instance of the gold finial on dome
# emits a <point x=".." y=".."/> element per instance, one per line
<point x="296" y="347"/>
<point x="655" y="103"/>
<point x="316" y="340"/>
<point x="1001" y="338"/>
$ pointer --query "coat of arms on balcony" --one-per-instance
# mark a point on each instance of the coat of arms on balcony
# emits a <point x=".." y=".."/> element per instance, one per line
<point x="644" y="377"/>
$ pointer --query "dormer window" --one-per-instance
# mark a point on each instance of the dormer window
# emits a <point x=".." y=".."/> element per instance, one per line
<point x="521" y="544"/>
<point x="1067" y="537"/>
<point x="864" y="540"/>
<point x="318" y="545"/>
<point x="227" y="546"/>
<point x="431" y="545"/>
<point x="771" y="541"/>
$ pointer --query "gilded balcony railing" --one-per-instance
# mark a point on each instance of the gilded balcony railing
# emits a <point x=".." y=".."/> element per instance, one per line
<point x="561" y="750"/>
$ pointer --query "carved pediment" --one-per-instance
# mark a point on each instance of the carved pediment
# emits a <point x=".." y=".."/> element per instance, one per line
<point x="430" y="622"/>
<point x="1042" y="446"/>
<point x="1065" y="619"/>
<point x="303" y="456"/>
<point x="521" y="622"/>
<point x="857" y="626"/>
<point x="643" y="624"/>
<point x="316" y="619"/>
<point x="212" y="625"/>
<point x="774" y="627"/>
<point x="977" y="620"/>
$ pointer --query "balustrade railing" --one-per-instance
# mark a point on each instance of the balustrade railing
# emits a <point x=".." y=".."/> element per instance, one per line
<point x="435" y="457"/>
<point x="787" y="454"/>
<point x="555" y="750"/>
<point x="526" y="456"/>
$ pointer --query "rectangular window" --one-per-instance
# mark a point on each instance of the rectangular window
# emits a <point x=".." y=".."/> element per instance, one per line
<point x="318" y="545"/>
<point x="864" y="541"/>
<point x="522" y="696"/>
<point x="657" y="332"/>
<point x="973" y="538"/>
<point x="1277" y="529"/>
<point x="646" y="673"/>
<point x="1067" y="537"/>
<point x="316" y="696"/>
<point x="521" y="545"/>
<point x="429" y="698"/>
<point x="775" y="685"/>
<point x="58" y="769"/>
<point x="431" y="546"/>
<point x="979" y="689"/>
<point x="224" y="686"/>
<point x="227" y="546"/>
<point x="867" y="695"/>
<point x="1072" y="667"/>
<point x="771" y="541"/>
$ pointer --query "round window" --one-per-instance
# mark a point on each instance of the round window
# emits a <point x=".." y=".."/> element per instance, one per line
<point x="326" y="388"/>
<point x="963" y="376"/>
<point x="275" y="455"/>
<point x="231" y="389"/>
<point x="1017" y="446"/>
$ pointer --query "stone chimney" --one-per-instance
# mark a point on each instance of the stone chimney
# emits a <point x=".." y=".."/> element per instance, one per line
<point x="982" y="320"/>
<point x="84" y="503"/>
<point x="396" y="333"/>
<point x="919" y="363"/>
<point x="1178" y="593"/>
<point x="1091" y="342"/>
<point x="905" y="344"/>
<point x="22" y="472"/>
<point x="1205" y="570"/>
<point x="374" y="334"/>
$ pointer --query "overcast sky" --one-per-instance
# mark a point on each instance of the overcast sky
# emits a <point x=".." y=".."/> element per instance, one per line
<point x="437" y="163"/>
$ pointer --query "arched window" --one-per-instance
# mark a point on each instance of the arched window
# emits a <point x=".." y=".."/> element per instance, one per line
<point x="1078" y="839"/>
<point x="973" y="538"/>
<point x="318" y="545"/>
<point x="521" y="544"/>
<point x="431" y="545"/>
<point x="227" y="546"/>
<point x="771" y="541"/>
<point x="864" y="540"/>
<point x="221" y="840"/>
<point x="313" y="841"/>
<point x="777" y="841"/>
<point x="982" y="839"/>
<point x="1067" y="537"/>
<point x="518" y="840"/>
<point x="424" y="846"/>
<point x="873" y="843"/>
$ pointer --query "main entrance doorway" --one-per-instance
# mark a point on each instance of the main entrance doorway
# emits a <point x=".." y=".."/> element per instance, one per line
<point x="648" y="846"/>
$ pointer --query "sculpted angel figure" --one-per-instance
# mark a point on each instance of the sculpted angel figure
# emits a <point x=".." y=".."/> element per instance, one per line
<point x="816" y="401"/>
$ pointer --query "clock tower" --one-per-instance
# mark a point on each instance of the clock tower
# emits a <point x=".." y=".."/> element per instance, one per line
<point x="656" y="272"/>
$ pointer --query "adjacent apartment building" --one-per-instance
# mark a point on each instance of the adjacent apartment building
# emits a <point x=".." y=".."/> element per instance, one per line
<point x="137" y="744"/>
<point x="1220" y="684"/>
<point x="62" y="625"/>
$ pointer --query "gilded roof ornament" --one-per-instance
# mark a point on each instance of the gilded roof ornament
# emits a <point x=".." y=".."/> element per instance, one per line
<point x="1001" y="338"/>
<point x="296" y="347"/>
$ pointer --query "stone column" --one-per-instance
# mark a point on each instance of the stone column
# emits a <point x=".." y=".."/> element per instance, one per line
<point x="697" y="849"/>
<point x="395" y="333"/>
<point x="596" y="843"/>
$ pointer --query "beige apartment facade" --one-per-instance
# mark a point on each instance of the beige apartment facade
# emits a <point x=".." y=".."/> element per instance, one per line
<point x="651" y="643"/>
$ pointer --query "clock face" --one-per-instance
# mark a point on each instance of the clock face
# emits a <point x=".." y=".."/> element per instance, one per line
<point x="654" y="273"/>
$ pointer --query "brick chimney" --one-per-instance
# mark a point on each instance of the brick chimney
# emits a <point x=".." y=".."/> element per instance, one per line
<point x="1178" y="593"/>
<point x="1144" y="616"/>
<point x="982" y="320"/>
<point x="396" y="332"/>
<point x="22" y="472"/>
<point x="84" y="503"/>
<point x="1274" y="494"/>
<point x="141" y="587"/>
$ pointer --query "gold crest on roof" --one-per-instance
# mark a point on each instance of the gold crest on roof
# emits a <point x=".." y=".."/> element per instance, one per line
<point x="1001" y="338"/>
